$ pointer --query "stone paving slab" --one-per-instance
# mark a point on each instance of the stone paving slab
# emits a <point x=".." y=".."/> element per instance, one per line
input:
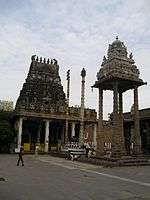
<point x="46" y="178"/>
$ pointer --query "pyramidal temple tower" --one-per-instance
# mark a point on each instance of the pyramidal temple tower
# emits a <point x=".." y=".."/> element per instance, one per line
<point x="42" y="91"/>
<point x="118" y="73"/>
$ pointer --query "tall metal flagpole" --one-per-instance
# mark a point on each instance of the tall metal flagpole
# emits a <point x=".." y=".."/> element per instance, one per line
<point x="67" y="108"/>
<point x="81" y="136"/>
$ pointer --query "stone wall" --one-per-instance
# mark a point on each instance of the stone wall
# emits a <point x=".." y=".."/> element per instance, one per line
<point x="89" y="114"/>
<point x="104" y="138"/>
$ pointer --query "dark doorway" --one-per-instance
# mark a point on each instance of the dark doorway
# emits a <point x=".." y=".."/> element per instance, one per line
<point x="55" y="133"/>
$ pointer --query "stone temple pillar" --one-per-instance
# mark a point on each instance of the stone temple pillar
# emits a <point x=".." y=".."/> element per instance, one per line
<point x="20" y="132"/>
<point x="118" y="146"/>
<point x="136" y="136"/>
<point x="81" y="136"/>
<point x="120" y="103"/>
<point x="100" y="138"/>
<point x="62" y="135"/>
<point x="73" y="129"/>
<point x="115" y="101"/>
<point x="67" y="107"/>
<point x="147" y="123"/>
<point x="46" y="136"/>
<point x="94" y="135"/>
<point x="100" y="120"/>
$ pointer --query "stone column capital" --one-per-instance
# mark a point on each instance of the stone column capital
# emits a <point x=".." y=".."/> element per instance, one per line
<point x="47" y="120"/>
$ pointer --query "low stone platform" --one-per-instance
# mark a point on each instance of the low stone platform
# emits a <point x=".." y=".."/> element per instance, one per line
<point x="106" y="161"/>
<point x="58" y="154"/>
<point x="117" y="162"/>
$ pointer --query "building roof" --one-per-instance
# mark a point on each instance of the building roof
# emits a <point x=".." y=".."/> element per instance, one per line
<point x="143" y="113"/>
<point x="118" y="66"/>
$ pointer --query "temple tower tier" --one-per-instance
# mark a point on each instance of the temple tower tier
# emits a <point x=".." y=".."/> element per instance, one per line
<point x="119" y="74"/>
<point x="42" y="90"/>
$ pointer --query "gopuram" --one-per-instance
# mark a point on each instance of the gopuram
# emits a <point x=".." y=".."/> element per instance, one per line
<point x="42" y="113"/>
<point x="118" y="73"/>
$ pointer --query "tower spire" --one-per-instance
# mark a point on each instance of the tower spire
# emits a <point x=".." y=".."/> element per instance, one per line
<point x="67" y="108"/>
<point x="81" y="137"/>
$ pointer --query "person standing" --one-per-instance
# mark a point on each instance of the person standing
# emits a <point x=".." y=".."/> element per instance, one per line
<point x="87" y="148"/>
<point x="21" y="152"/>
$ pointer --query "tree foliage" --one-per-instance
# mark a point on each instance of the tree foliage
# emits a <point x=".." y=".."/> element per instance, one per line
<point x="7" y="132"/>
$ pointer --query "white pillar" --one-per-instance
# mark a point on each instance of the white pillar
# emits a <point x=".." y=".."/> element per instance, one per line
<point x="46" y="136"/>
<point x="73" y="129"/>
<point x="20" y="132"/>
<point x="95" y="135"/>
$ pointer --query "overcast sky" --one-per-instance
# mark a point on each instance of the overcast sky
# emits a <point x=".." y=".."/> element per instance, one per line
<point x="77" y="34"/>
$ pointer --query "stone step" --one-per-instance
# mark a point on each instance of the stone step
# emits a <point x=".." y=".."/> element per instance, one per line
<point x="109" y="163"/>
<point x="137" y="164"/>
<point x="133" y="161"/>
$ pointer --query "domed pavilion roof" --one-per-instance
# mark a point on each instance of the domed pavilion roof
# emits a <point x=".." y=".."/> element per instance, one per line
<point x="117" y="48"/>
<point x="118" y="66"/>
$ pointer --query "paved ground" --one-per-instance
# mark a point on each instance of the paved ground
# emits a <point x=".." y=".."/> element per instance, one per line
<point x="49" y="178"/>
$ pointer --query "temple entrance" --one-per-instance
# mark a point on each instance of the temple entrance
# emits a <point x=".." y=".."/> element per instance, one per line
<point x="32" y="130"/>
<point x="33" y="134"/>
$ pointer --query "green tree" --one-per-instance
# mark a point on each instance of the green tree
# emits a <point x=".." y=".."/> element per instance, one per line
<point x="7" y="132"/>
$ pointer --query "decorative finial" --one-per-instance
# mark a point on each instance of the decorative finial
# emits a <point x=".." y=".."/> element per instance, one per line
<point x="104" y="59"/>
<point x="55" y="61"/>
<point x="117" y="37"/>
<point x="48" y="61"/>
<point x="33" y="57"/>
<point x="131" y="56"/>
<point x="83" y="73"/>
<point x="40" y="59"/>
<point x="44" y="60"/>
<point x="68" y="74"/>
